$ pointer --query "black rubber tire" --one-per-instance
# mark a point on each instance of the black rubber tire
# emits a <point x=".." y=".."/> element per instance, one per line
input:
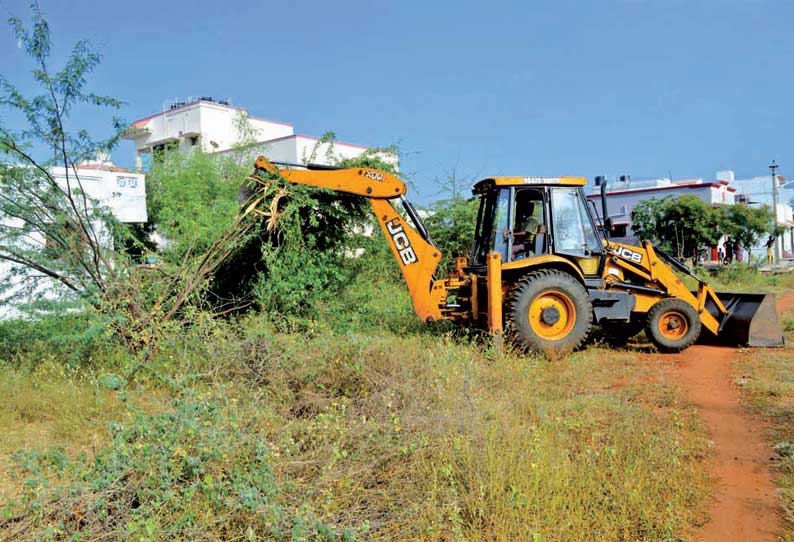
<point x="619" y="333"/>
<point x="653" y="326"/>
<point x="527" y="290"/>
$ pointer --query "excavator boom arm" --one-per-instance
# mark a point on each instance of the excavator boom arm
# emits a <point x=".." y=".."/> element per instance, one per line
<point x="361" y="181"/>
<point x="415" y="254"/>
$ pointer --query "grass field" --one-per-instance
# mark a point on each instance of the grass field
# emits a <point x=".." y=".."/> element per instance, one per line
<point x="382" y="431"/>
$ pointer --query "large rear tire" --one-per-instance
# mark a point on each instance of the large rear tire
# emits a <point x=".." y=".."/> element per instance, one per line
<point x="673" y="325"/>
<point x="549" y="311"/>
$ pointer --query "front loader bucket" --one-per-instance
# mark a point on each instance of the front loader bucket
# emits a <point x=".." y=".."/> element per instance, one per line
<point x="751" y="320"/>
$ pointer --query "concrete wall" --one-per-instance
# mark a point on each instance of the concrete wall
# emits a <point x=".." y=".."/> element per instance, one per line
<point x="303" y="149"/>
<point x="219" y="130"/>
<point x="122" y="191"/>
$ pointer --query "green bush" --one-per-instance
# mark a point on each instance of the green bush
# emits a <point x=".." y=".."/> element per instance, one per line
<point x="743" y="278"/>
<point x="451" y="226"/>
<point x="308" y="255"/>
<point x="72" y="337"/>
<point x="190" y="472"/>
<point x="192" y="199"/>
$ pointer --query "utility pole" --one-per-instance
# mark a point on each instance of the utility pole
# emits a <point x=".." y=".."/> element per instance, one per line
<point x="774" y="167"/>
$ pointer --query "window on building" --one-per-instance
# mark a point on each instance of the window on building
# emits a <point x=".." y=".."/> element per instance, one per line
<point x="129" y="182"/>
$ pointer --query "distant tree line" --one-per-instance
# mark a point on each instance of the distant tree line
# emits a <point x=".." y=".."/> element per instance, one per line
<point x="686" y="224"/>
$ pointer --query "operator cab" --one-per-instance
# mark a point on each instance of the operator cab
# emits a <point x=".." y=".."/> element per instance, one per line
<point x="526" y="217"/>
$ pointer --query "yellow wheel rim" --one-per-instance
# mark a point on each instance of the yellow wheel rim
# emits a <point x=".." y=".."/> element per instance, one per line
<point x="552" y="315"/>
<point x="673" y="325"/>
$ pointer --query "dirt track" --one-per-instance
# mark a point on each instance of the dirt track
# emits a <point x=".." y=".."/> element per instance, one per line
<point x="745" y="506"/>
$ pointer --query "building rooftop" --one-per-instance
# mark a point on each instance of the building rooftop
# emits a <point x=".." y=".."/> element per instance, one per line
<point x="651" y="185"/>
<point x="104" y="167"/>
<point x="313" y="138"/>
<point x="140" y="124"/>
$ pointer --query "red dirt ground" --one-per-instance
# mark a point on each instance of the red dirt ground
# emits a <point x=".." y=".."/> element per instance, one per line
<point x="745" y="506"/>
<point x="785" y="304"/>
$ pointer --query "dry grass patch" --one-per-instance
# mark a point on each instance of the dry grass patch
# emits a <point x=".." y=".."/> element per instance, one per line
<point x="427" y="438"/>
<point x="412" y="437"/>
<point x="767" y="379"/>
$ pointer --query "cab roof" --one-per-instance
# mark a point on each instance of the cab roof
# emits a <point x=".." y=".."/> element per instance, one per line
<point x="485" y="184"/>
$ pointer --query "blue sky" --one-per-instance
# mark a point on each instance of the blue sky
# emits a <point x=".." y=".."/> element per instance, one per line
<point x="644" y="87"/>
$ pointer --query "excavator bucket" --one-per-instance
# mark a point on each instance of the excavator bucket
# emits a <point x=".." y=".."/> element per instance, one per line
<point x="751" y="320"/>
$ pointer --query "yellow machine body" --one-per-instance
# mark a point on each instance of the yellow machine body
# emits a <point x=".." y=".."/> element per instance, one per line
<point x="622" y="284"/>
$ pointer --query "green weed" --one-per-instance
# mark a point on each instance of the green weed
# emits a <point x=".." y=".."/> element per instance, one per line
<point x="180" y="474"/>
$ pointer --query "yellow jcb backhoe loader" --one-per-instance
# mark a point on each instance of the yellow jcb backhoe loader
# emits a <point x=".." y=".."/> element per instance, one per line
<point x="540" y="268"/>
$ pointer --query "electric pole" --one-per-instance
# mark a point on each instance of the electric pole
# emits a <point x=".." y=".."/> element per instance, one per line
<point x="774" y="167"/>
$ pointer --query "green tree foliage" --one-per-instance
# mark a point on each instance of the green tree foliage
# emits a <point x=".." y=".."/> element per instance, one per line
<point x="192" y="199"/>
<point x="451" y="224"/>
<point x="689" y="224"/>
<point x="744" y="224"/>
<point x="686" y="224"/>
<point x="317" y="243"/>
<point x="646" y="219"/>
<point x="338" y="239"/>
<point x="306" y="258"/>
<point x="53" y="234"/>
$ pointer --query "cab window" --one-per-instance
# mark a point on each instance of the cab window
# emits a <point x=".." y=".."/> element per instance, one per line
<point x="529" y="224"/>
<point x="573" y="230"/>
<point x="499" y="233"/>
<point x="492" y="233"/>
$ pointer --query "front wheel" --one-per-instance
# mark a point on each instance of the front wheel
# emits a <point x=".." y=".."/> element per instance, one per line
<point x="673" y="325"/>
<point x="549" y="311"/>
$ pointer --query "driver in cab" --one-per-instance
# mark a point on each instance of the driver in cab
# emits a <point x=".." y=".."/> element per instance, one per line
<point x="529" y="223"/>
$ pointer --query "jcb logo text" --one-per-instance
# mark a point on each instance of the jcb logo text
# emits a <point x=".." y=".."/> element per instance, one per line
<point x="401" y="242"/>
<point x="623" y="252"/>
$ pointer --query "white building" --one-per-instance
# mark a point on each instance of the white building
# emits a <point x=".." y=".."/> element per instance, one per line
<point x="623" y="196"/>
<point x="305" y="149"/>
<point x="757" y="191"/>
<point x="121" y="191"/>
<point x="218" y="127"/>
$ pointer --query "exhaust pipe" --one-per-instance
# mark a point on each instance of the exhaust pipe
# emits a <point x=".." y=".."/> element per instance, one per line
<point x="606" y="222"/>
